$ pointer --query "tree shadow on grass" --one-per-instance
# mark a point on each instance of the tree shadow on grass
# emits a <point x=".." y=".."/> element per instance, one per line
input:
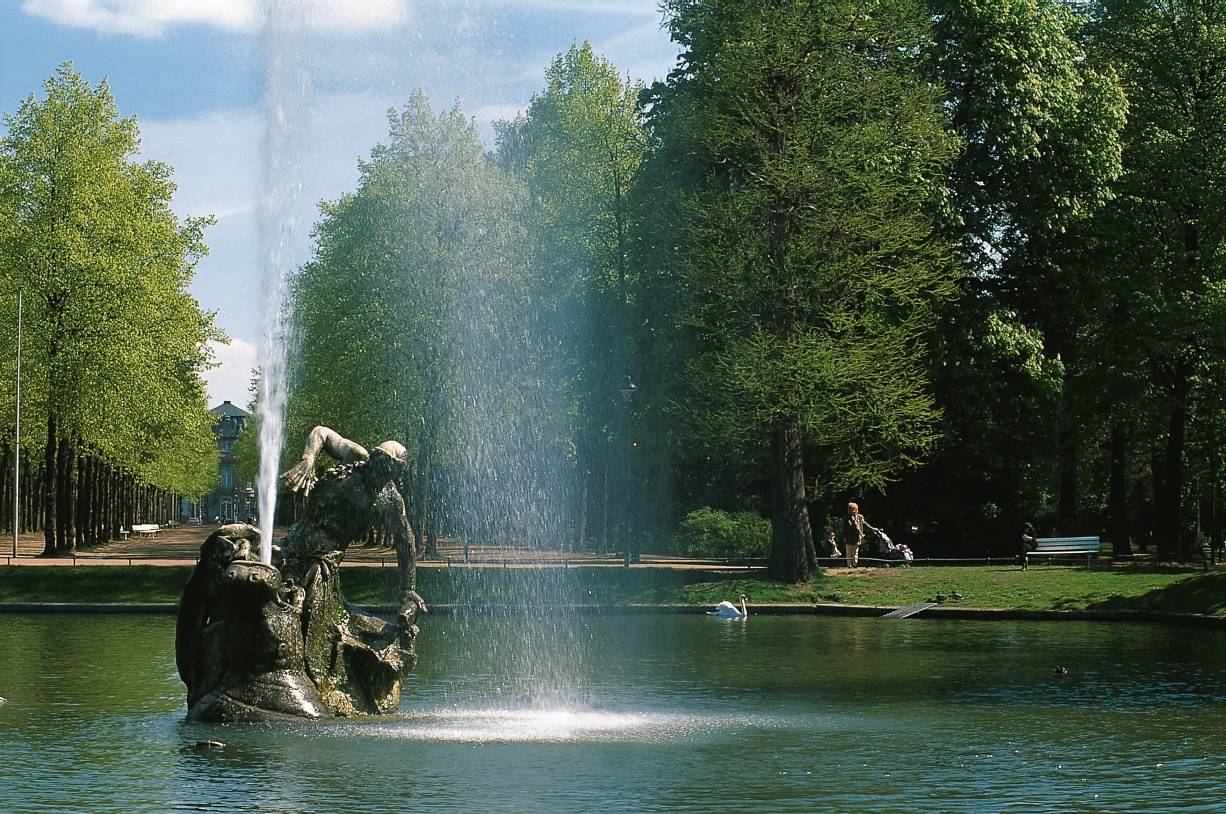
<point x="1200" y="594"/>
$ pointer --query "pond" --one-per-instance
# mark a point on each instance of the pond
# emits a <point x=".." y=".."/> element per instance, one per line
<point x="678" y="713"/>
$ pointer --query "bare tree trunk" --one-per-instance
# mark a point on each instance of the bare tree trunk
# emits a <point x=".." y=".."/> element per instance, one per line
<point x="95" y="505"/>
<point x="6" y="486"/>
<point x="585" y="479"/>
<point x="604" y="509"/>
<point x="129" y="499"/>
<point x="49" y="487"/>
<point x="112" y="503"/>
<point x="67" y="499"/>
<point x="424" y="453"/>
<point x="792" y="557"/>
<point x="1118" y="494"/>
<point x="1069" y="446"/>
<point x="432" y="520"/>
<point x="1168" y="522"/>
<point x="1215" y="516"/>
<point x="81" y="526"/>
<point x="105" y="528"/>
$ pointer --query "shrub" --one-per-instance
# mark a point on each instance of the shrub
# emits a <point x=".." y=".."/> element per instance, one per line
<point x="708" y="532"/>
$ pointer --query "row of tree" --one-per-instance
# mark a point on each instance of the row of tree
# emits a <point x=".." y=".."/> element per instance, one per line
<point x="961" y="260"/>
<point x="114" y="423"/>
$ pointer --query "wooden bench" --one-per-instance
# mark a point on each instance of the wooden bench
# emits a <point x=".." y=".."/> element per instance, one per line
<point x="146" y="530"/>
<point x="1066" y="547"/>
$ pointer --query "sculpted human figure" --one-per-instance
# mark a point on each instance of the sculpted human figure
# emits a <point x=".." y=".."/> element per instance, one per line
<point x="257" y="641"/>
<point x="350" y="654"/>
<point x="238" y="641"/>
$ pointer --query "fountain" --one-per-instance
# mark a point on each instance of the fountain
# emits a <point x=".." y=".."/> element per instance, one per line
<point x="257" y="641"/>
<point x="287" y="95"/>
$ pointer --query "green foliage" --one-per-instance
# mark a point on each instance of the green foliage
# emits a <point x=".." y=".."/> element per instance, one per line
<point x="1041" y="126"/>
<point x="381" y="309"/>
<point x="1040" y="122"/>
<point x="811" y="258"/>
<point x="708" y="532"/>
<point x="1002" y="390"/>
<point x="1163" y="242"/>
<point x="114" y="343"/>
<point x="247" y="453"/>
<point x="578" y="148"/>
<point x="415" y="322"/>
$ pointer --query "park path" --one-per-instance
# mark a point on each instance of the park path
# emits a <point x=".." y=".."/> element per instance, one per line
<point x="179" y="546"/>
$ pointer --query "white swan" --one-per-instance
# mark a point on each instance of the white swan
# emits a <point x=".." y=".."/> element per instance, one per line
<point x="726" y="610"/>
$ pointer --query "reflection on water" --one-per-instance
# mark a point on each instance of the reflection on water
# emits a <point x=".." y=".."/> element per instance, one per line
<point x="663" y="713"/>
<point x="554" y="726"/>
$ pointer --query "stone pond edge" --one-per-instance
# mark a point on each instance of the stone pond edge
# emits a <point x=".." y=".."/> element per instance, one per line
<point x="939" y="612"/>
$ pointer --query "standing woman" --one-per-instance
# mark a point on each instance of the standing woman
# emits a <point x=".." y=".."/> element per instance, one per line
<point x="853" y="534"/>
<point x="1028" y="544"/>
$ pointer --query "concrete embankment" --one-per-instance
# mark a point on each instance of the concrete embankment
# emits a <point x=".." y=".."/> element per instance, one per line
<point x="939" y="612"/>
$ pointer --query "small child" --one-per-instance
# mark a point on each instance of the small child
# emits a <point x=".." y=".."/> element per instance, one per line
<point x="833" y="544"/>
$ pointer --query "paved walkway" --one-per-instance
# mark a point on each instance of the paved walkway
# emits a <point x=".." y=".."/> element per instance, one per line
<point x="179" y="545"/>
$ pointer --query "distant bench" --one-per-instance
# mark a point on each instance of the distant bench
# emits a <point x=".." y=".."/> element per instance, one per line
<point x="1065" y="547"/>
<point x="146" y="530"/>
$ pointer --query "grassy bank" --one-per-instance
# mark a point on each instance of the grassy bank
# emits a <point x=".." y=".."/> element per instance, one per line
<point x="1056" y="588"/>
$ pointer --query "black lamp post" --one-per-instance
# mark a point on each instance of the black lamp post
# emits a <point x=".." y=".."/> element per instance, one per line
<point x="627" y="388"/>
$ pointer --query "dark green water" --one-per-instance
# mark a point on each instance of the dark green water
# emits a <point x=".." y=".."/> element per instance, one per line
<point x="658" y="713"/>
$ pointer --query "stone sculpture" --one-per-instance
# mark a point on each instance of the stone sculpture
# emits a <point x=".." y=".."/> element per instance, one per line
<point x="257" y="642"/>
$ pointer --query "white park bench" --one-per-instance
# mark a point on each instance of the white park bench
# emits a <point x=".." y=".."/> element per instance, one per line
<point x="1066" y="547"/>
<point x="146" y="530"/>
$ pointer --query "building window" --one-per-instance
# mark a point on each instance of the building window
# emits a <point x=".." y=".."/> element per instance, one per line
<point x="227" y="478"/>
<point x="227" y="445"/>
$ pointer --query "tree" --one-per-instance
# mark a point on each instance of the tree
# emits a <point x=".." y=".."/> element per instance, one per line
<point x="998" y="390"/>
<point x="1171" y="214"/>
<point x="815" y="152"/>
<point x="578" y="148"/>
<point x="1041" y="126"/>
<point x="115" y="344"/>
<point x="416" y="284"/>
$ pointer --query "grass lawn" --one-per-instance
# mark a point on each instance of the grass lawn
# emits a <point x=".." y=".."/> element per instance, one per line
<point x="1041" y="587"/>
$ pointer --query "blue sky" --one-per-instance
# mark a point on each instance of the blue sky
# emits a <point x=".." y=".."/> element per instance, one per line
<point x="193" y="72"/>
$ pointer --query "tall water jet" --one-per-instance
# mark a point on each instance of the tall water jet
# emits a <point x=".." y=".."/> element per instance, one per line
<point x="286" y="100"/>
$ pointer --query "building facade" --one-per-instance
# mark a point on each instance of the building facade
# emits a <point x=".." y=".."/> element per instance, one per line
<point x="232" y="499"/>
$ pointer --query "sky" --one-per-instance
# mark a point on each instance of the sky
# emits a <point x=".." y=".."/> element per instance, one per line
<point x="194" y="73"/>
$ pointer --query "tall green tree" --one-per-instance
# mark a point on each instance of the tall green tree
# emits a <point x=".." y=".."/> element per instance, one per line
<point x="1171" y="216"/>
<point x="1041" y="127"/>
<point x="400" y="314"/>
<point x="578" y="148"/>
<point x="816" y="153"/>
<point x="115" y="345"/>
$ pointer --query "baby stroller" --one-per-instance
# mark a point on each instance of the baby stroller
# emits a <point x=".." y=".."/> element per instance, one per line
<point x="880" y="546"/>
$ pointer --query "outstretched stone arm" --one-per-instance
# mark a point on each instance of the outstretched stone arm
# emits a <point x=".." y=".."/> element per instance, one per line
<point x="396" y="520"/>
<point x="301" y="476"/>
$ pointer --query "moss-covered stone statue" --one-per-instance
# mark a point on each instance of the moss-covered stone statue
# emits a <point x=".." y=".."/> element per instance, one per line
<point x="258" y="642"/>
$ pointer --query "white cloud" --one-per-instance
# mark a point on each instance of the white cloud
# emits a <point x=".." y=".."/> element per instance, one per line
<point x="218" y="166"/>
<point x="231" y="378"/>
<point x="153" y="18"/>
<point x="645" y="7"/>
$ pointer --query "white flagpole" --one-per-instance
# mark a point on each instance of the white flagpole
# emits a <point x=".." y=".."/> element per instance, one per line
<point x="17" y="444"/>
